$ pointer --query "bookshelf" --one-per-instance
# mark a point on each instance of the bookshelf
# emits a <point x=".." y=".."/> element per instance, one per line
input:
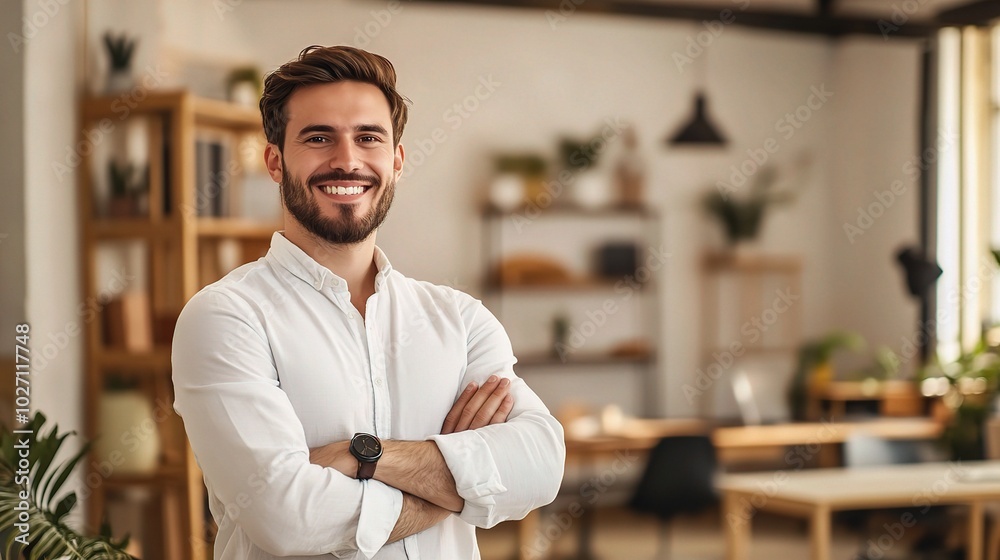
<point x="186" y="225"/>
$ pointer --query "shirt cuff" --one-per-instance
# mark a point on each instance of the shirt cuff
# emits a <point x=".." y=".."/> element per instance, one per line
<point x="477" y="478"/>
<point x="380" y="508"/>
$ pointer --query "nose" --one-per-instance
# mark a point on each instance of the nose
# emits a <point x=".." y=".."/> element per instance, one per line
<point x="345" y="157"/>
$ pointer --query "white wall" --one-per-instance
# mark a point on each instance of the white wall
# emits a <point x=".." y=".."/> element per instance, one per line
<point x="567" y="79"/>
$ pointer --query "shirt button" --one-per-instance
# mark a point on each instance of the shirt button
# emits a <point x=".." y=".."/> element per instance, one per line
<point x="378" y="381"/>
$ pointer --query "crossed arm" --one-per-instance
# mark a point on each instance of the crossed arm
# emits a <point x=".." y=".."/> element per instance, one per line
<point x="417" y="468"/>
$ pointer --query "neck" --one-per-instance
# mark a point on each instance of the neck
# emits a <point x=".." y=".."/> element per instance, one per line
<point x="355" y="263"/>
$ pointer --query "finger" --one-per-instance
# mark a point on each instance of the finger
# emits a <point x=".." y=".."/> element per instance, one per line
<point x="451" y="420"/>
<point x="501" y="414"/>
<point x="476" y="402"/>
<point x="490" y="407"/>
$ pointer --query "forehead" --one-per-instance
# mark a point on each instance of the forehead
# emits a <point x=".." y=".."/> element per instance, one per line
<point x="343" y="103"/>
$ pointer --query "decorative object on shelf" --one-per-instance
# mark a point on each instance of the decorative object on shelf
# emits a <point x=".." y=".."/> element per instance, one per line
<point x="129" y="189"/>
<point x="244" y="86"/>
<point x="560" y="332"/>
<point x="630" y="172"/>
<point x="50" y="535"/>
<point x="589" y="188"/>
<point x="815" y="368"/>
<point x="128" y="323"/>
<point x="532" y="270"/>
<point x="635" y="349"/>
<point x="129" y="438"/>
<point x="617" y="259"/>
<point x="120" y="50"/>
<point x="741" y="214"/>
<point x="519" y="178"/>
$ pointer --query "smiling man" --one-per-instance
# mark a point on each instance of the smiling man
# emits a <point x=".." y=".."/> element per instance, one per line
<point x="334" y="405"/>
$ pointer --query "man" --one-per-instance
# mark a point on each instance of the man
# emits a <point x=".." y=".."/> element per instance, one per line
<point x="334" y="405"/>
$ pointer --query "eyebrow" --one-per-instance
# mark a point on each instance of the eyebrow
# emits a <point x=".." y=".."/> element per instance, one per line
<point x="309" y="129"/>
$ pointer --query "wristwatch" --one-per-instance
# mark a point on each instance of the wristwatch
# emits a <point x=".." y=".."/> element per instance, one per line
<point x="367" y="449"/>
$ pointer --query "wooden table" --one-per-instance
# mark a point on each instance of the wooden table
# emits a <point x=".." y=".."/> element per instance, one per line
<point x="815" y="494"/>
<point x="642" y="434"/>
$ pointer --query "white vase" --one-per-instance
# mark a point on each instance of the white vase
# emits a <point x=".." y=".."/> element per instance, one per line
<point x="591" y="190"/>
<point x="129" y="437"/>
<point x="507" y="192"/>
<point x="118" y="81"/>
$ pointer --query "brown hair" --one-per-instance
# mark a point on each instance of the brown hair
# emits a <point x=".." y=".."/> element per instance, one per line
<point x="324" y="65"/>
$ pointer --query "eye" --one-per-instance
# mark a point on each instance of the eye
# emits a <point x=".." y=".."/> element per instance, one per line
<point x="315" y="140"/>
<point x="369" y="139"/>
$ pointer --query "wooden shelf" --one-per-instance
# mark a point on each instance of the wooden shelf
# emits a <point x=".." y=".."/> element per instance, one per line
<point x="529" y="212"/>
<point x="111" y="359"/>
<point x="752" y="262"/>
<point x="205" y="111"/>
<point x="235" y="227"/>
<point x="577" y="285"/>
<point x="162" y="476"/>
<point x="582" y="359"/>
<point x="180" y="256"/>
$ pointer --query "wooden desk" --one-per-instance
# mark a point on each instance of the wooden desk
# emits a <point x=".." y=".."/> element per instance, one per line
<point x="815" y="494"/>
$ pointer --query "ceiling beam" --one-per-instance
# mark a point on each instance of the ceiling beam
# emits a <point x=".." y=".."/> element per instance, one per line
<point x="977" y="12"/>
<point x="828" y="25"/>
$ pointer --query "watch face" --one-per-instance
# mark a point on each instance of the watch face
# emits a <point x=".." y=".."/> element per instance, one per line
<point x="366" y="446"/>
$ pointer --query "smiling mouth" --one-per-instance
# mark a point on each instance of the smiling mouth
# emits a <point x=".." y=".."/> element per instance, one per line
<point x="342" y="190"/>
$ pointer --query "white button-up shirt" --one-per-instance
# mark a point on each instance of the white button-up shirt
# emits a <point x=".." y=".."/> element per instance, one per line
<point x="273" y="360"/>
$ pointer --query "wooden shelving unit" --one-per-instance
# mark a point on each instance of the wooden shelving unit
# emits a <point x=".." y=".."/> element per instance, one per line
<point x="580" y="291"/>
<point x="739" y="307"/>
<point x="176" y="243"/>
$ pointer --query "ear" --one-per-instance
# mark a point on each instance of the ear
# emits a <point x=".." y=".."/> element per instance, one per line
<point x="397" y="162"/>
<point x="272" y="161"/>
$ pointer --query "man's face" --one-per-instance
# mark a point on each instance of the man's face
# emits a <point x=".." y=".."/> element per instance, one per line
<point x="338" y="168"/>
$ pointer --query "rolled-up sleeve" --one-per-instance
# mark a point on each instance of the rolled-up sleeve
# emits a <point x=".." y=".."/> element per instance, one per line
<point x="505" y="470"/>
<point x="251" y="445"/>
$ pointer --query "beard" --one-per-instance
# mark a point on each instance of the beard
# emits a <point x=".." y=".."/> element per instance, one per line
<point x="347" y="228"/>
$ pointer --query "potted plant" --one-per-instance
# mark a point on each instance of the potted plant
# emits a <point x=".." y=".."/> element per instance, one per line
<point x="741" y="214"/>
<point x="814" y="371"/>
<point x="32" y="500"/>
<point x="591" y="189"/>
<point x="120" y="50"/>
<point x="972" y="386"/>
<point x="244" y="86"/>
<point x="519" y="178"/>
<point x="128" y="189"/>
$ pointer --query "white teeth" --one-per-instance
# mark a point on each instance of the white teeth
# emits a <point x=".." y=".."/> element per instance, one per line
<point x="330" y="189"/>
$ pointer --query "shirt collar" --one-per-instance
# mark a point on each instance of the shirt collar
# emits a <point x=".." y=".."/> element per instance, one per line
<point x="289" y="256"/>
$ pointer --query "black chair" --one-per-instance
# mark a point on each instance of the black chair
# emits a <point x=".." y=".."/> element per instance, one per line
<point x="679" y="479"/>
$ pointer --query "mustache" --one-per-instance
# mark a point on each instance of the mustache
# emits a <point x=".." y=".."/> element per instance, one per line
<point x="328" y="176"/>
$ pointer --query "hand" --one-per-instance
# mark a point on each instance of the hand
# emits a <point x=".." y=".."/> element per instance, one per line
<point x="488" y="405"/>
<point x="337" y="456"/>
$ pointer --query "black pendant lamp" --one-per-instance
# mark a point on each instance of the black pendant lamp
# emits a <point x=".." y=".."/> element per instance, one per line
<point x="699" y="130"/>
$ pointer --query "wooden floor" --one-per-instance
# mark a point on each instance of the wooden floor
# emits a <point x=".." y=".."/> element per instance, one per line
<point x="622" y="535"/>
